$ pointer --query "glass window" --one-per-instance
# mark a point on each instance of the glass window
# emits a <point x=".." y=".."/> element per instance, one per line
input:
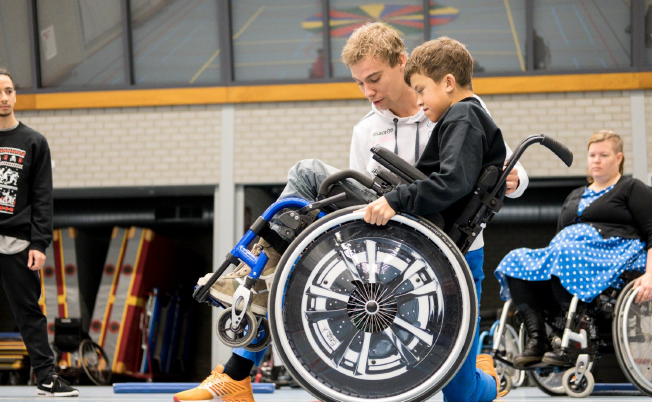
<point x="277" y="39"/>
<point x="14" y="42"/>
<point x="493" y="31"/>
<point x="580" y="35"/>
<point x="406" y="16"/>
<point x="176" y="42"/>
<point x="81" y="43"/>
<point x="648" y="31"/>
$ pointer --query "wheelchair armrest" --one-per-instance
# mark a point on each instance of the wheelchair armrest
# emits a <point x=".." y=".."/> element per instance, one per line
<point x="392" y="162"/>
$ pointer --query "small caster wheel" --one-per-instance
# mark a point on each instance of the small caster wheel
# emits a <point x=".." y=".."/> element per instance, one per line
<point x="578" y="389"/>
<point x="239" y="337"/>
<point x="505" y="383"/>
<point x="263" y="338"/>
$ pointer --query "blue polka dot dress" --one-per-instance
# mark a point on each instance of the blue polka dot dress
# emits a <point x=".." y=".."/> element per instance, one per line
<point x="579" y="256"/>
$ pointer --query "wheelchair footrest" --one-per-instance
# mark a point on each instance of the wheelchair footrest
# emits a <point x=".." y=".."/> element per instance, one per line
<point x="175" y="387"/>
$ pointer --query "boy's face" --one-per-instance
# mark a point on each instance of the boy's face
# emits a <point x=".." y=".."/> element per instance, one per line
<point x="7" y="96"/>
<point x="378" y="81"/>
<point x="433" y="97"/>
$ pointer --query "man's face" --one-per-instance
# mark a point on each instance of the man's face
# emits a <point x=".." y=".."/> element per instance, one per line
<point x="378" y="81"/>
<point x="433" y="97"/>
<point x="8" y="96"/>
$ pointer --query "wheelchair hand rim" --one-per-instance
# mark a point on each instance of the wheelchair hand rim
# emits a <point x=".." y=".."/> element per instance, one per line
<point x="625" y="330"/>
<point x="467" y="296"/>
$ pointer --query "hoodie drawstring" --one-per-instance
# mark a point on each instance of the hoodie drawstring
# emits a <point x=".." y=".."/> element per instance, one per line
<point x="416" y="146"/>
<point x="395" y="135"/>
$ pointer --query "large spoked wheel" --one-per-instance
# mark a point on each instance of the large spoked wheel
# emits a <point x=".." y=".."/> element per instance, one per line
<point x="362" y="312"/>
<point x="95" y="362"/>
<point x="510" y="347"/>
<point x="632" y="334"/>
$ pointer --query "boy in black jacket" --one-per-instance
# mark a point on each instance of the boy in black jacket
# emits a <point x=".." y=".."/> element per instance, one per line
<point x="463" y="143"/>
<point x="25" y="233"/>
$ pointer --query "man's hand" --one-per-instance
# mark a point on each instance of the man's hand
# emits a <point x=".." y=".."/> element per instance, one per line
<point x="512" y="181"/>
<point x="645" y="284"/>
<point x="35" y="260"/>
<point x="378" y="212"/>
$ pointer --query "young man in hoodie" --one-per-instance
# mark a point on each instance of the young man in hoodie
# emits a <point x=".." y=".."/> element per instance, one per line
<point x="25" y="233"/>
<point x="376" y="56"/>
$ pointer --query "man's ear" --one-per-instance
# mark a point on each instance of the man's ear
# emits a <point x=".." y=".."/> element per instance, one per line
<point x="402" y="60"/>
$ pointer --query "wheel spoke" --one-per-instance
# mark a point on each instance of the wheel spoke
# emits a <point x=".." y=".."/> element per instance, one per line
<point x="363" y="357"/>
<point x="412" y="269"/>
<point x="424" y="290"/>
<point x="418" y="332"/>
<point x="319" y="315"/>
<point x="347" y="256"/>
<point x="327" y="293"/>
<point x="339" y="353"/>
<point x="403" y="350"/>
<point x="371" y="260"/>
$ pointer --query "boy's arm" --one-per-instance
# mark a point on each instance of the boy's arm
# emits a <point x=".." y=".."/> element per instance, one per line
<point x="461" y="149"/>
<point x="523" y="179"/>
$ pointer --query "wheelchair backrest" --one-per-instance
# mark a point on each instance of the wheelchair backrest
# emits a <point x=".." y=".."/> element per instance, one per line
<point x="467" y="221"/>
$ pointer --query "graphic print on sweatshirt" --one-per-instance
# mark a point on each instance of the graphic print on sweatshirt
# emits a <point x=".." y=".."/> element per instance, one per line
<point x="11" y="165"/>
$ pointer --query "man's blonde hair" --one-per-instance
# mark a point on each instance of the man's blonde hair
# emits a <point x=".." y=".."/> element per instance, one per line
<point x="616" y="144"/>
<point x="439" y="57"/>
<point x="377" y="40"/>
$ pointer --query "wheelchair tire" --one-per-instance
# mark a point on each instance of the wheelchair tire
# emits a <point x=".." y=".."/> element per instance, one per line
<point x="632" y="337"/>
<point x="264" y="337"/>
<point x="240" y="338"/>
<point x="511" y="347"/>
<point x="581" y="389"/>
<point x="399" y="332"/>
<point x="95" y="362"/>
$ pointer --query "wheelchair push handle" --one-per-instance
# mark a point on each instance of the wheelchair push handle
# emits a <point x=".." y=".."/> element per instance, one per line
<point x="555" y="146"/>
<point x="558" y="149"/>
<point x="345" y="174"/>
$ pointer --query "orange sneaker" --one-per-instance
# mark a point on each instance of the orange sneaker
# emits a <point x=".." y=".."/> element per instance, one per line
<point x="219" y="387"/>
<point x="486" y="364"/>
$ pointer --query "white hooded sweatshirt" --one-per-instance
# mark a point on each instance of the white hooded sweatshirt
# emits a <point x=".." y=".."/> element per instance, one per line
<point x="407" y="137"/>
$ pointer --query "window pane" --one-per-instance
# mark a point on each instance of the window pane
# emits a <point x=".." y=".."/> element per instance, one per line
<point x="580" y="35"/>
<point x="647" y="26"/>
<point x="14" y="42"/>
<point x="277" y="39"/>
<point x="81" y="43"/>
<point x="176" y="41"/>
<point x="406" y="16"/>
<point x="492" y="30"/>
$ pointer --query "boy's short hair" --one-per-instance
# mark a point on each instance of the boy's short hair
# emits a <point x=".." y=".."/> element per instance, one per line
<point x="439" y="57"/>
<point x="377" y="40"/>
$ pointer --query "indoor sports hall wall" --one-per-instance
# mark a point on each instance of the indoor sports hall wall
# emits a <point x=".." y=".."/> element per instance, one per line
<point x="180" y="145"/>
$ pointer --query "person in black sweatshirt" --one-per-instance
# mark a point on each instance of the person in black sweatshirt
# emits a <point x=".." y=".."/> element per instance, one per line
<point x="25" y="233"/>
<point x="463" y="143"/>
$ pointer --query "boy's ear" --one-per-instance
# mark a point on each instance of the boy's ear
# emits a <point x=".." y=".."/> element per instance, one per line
<point x="450" y="82"/>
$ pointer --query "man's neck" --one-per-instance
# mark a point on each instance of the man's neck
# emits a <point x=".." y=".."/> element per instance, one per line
<point x="406" y="104"/>
<point x="8" y="121"/>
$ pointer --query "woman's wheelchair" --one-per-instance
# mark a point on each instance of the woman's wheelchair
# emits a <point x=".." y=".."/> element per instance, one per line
<point x="361" y="312"/>
<point x="612" y="320"/>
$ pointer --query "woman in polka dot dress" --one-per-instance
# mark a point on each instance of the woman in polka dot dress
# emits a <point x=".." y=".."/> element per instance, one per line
<point x="604" y="230"/>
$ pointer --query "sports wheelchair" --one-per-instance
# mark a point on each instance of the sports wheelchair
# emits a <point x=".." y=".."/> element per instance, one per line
<point x="358" y="311"/>
<point x="612" y="320"/>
